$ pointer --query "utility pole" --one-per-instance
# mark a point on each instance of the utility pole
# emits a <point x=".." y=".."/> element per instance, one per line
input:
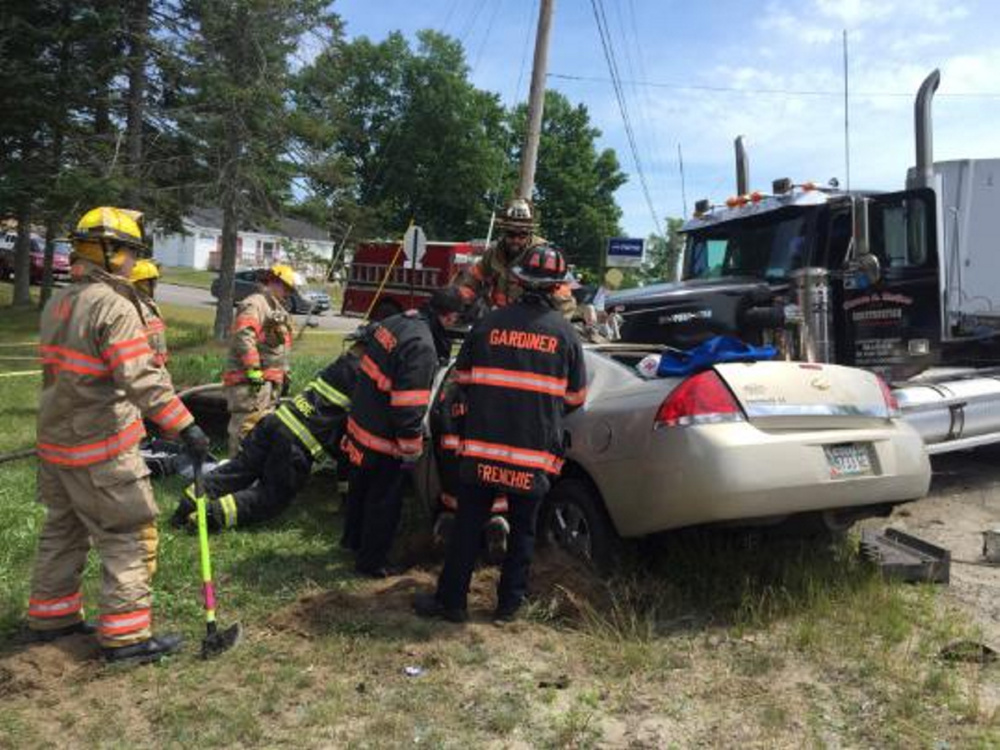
<point x="536" y="101"/>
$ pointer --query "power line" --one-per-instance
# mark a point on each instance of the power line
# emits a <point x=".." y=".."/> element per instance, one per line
<point x="774" y="91"/>
<point x="605" y="36"/>
<point x="647" y="101"/>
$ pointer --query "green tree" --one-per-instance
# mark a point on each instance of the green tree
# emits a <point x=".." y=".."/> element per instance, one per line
<point x="238" y="55"/>
<point x="574" y="183"/>
<point x="419" y="140"/>
<point x="663" y="254"/>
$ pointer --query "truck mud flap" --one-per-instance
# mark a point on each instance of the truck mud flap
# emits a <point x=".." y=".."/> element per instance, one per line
<point x="904" y="557"/>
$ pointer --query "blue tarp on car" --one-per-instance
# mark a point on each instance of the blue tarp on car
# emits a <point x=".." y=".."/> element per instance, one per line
<point x="718" y="349"/>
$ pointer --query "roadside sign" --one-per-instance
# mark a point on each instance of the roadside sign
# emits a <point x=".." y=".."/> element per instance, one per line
<point x="415" y="247"/>
<point x="626" y="251"/>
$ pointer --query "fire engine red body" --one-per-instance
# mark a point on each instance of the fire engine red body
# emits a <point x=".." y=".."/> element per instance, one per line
<point x="408" y="282"/>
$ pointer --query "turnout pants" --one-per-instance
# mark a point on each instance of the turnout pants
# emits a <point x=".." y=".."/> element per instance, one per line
<point x="474" y="506"/>
<point x="267" y="473"/>
<point x="374" y="505"/>
<point x="111" y="506"/>
<point x="247" y="406"/>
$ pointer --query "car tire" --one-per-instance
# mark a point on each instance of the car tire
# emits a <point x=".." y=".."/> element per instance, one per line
<point x="573" y="519"/>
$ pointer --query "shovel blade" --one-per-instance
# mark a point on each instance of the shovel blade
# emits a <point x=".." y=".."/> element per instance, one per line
<point x="221" y="640"/>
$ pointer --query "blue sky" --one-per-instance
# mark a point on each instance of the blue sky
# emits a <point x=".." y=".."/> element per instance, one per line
<point x="779" y="66"/>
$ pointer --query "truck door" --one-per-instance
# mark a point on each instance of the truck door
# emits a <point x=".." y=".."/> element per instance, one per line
<point x="894" y="326"/>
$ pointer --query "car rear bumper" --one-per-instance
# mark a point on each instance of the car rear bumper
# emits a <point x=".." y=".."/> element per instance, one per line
<point x="725" y="472"/>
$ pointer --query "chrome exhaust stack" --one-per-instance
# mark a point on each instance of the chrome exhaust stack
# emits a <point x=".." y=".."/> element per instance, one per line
<point x="742" y="167"/>
<point x="923" y="173"/>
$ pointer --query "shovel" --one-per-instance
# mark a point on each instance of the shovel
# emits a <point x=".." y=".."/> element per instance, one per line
<point x="216" y="641"/>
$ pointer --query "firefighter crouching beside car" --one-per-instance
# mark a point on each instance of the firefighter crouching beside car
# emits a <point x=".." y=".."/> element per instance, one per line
<point x="522" y="369"/>
<point x="144" y="276"/>
<point x="275" y="460"/>
<point x="259" y="349"/>
<point x="99" y="383"/>
<point x="384" y="433"/>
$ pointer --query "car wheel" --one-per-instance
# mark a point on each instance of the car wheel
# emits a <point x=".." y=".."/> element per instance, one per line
<point x="574" y="520"/>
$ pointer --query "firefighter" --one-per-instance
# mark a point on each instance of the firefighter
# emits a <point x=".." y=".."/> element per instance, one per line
<point x="488" y="283"/>
<point x="99" y="384"/>
<point x="384" y="434"/>
<point x="523" y="362"/>
<point x="446" y="419"/>
<point x="144" y="276"/>
<point x="276" y="458"/>
<point x="259" y="349"/>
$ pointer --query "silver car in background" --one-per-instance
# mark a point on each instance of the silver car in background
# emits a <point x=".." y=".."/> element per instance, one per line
<point x="740" y="442"/>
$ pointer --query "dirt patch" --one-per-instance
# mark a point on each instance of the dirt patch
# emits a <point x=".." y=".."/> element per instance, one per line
<point x="43" y="666"/>
<point x="561" y="589"/>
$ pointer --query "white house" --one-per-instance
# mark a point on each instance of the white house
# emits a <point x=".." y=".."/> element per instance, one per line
<point x="200" y="245"/>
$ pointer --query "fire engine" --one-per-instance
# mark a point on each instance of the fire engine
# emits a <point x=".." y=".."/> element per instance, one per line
<point x="387" y="277"/>
<point x="904" y="283"/>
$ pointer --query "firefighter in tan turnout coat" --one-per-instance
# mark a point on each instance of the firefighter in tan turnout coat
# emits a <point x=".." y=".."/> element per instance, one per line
<point x="100" y="381"/>
<point x="259" y="348"/>
<point x="143" y="277"/>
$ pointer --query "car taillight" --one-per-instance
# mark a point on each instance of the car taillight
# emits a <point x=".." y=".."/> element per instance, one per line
<point x="891" y="404"/>
<point x="701" y="399"/>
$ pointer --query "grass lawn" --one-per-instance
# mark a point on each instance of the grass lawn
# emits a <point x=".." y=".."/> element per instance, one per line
<point x="187" y="276"/>
<point x="703" y="640"/>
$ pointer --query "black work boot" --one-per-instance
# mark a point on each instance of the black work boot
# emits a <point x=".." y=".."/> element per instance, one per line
<point x="30" y="635"/>
<point x="427" y="605"/>
<point x="144" y="652"/>
<point x="505" y="613"/>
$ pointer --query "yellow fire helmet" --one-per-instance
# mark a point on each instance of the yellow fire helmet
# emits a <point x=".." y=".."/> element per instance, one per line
<point x="144" y="270"/>
<point x="103" y="232"/>
<point x="285" y="274"/>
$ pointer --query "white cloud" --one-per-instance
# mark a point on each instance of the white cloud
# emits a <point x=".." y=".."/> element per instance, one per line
<point x="854" y="13"/>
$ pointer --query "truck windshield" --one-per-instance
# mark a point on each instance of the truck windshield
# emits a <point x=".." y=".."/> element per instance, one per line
<point x="766" y="247"/>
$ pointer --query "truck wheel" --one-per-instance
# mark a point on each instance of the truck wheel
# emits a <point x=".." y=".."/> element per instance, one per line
<point x="385" y="309"/>
<point x="573" y="519"/>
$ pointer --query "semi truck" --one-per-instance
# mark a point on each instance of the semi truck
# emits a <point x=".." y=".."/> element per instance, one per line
<point x="904" y="283"/>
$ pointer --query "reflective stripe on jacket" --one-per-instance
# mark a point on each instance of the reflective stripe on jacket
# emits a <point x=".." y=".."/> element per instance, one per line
<point x="489" y="279"/>
<point x="394" y="387"/>
<point x="521" y="370"/>
<point x="100" y="379"/>
<point x="261" y="339"/>
<point x="316" y="416"/>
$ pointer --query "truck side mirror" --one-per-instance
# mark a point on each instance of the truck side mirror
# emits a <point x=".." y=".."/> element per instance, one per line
<point x="870" y="267"/>
<point x="862" y="262"/>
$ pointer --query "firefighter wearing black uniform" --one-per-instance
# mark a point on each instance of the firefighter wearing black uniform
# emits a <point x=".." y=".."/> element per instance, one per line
<point x="276" y="458"/>
<point x="522" y="370"/>
<point x="384" y="434"/>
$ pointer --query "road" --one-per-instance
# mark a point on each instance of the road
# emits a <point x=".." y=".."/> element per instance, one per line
<point x="189" y="296"/>
<point x="963" y="502"/>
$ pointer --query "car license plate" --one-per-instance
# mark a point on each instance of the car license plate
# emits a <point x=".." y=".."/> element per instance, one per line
<point x="848" y="460"/>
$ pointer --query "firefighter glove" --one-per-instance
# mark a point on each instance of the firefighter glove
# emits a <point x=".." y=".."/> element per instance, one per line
<point x="195" y="443"/>
<point x="286" y="384"/>
<point x="255" y="378"/>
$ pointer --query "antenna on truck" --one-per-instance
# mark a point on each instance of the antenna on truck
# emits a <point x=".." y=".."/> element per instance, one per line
<point x="847" y="121"/>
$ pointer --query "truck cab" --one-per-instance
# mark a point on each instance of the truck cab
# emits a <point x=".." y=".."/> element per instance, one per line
<point x="906" y="284"/>
<point x="746" y="267"/>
